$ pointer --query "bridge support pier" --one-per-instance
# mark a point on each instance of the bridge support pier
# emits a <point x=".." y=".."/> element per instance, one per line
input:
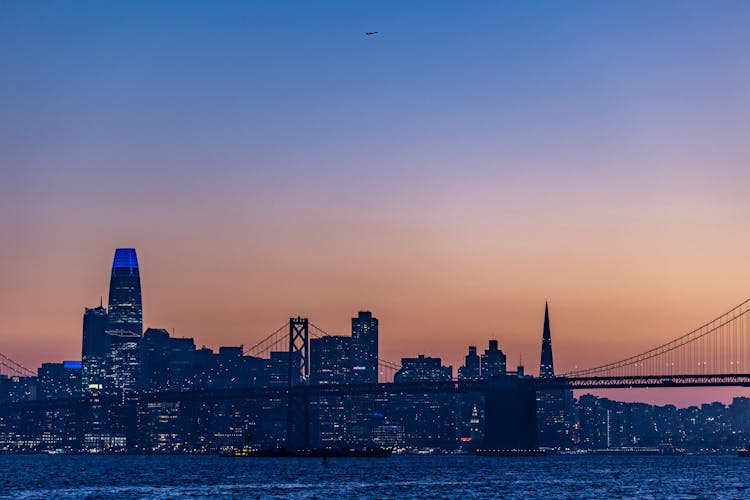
<point x="298" y="408"/>
<point x="510" y="414"/>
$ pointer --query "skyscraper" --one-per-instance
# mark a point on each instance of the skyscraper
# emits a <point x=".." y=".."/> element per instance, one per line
<point x="427" y="419"/>
<point x="125" y="323"/>
<point x="470" y="369"/>
<point x="364" y="348"/>
<point x="95" y="346"/>
<point x="330" y="364"/>
<point x="546" y="367"/>
<point x="125" y="306"/>
<point x="364" y="370"/>
<point x="493" y="361"/>
<point x="554" y="407"/>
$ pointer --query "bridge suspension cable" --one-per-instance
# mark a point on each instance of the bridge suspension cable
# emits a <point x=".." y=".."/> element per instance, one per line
<point x="719" y="346"/>
<point x="275" y="341"/>
<point x="14" y="368"/>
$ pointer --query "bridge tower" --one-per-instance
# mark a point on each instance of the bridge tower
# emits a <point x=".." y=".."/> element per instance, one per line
<point x="298" y="415"/>
<point x="299" y="361"/>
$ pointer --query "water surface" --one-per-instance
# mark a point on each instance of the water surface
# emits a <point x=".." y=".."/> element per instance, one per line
<point x="40" y="476"/>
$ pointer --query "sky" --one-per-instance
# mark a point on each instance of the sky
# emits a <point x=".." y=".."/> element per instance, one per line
<point x="451" y="174"/>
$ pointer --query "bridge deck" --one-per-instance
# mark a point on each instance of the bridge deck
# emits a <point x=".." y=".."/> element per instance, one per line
<point x="451" y="386"/>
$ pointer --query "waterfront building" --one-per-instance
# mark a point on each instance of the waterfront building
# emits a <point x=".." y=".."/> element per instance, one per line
<point x="330" y="363"/>
<point x="470" y="405"/>
<point x="428" y="420"/>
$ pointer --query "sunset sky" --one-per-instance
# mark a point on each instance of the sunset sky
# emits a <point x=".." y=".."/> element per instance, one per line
<point x="451" y="174"/>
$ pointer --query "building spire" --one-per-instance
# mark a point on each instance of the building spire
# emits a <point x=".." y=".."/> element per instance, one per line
<point x="546" y="367"/>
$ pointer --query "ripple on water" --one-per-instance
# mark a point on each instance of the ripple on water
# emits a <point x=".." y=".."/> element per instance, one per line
<point x="424" y="477"/>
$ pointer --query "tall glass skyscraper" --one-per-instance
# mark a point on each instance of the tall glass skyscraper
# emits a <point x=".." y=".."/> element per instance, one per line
<point x="125" y="306"/>
<point x="124" y="324"/>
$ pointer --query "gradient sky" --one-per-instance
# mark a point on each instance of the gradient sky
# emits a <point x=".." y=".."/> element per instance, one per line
<point x="451" y="174"/>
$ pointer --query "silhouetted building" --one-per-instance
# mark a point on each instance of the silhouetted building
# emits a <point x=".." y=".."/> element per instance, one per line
<point x="427" y="419"/>
<point x="364" y="348"/>
<point x="273" y="428"/>
<point x="423" y="369"/>
<point x="94" y="348"/>
<point x="493" y="361"/>
<point x="59" y="380"/>
<point x="471" y="405"/>
<point x="510" y="410"/>
<point x="555" y="408"/>
<point x="546" y="365"/>
<point x="740" y="415"/>
<point x="330" y="363"/>
<point x="123" y="362"/>
<point x="168" y="363"/>
<point x="470" y="370"/>
<point x="364" y="370"/>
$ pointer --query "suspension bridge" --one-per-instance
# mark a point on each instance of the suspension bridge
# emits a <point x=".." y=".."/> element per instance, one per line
<point x="716" y="353"/>
<point x="713" y="354"/>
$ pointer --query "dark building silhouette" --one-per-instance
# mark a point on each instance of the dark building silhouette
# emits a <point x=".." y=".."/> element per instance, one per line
<point x="125" y="304"/>
<point x="423" y="369"/>
<point x="470" y="369"/>
<point x="428" y="420"/>
<point x="330" y="363"/>
<point x="123" y="362"/>
<point x="364" y="348"/>
<point x="471" y="405"/>
<point x="555" y="408"/>
<point x="510" y="411"/>
<point x="94" y="348"/>
<point x="169" y="363"/>
<point x="59" y="380"/>
<point x="364" y="370"/>
<point x="546" y="366"/>
<point x="493" y="361"/>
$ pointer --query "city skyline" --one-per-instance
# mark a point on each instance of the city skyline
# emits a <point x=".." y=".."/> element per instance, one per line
<point x="115" y="329"/>
<point x="270" y="162"/>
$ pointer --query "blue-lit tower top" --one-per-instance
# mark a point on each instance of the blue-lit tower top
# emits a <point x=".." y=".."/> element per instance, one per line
<point x="125" y="260"/>
<point x="125" y="304"/>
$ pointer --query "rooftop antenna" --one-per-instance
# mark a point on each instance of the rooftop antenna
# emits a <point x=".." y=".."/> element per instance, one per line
<point x="101" y="300"/>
